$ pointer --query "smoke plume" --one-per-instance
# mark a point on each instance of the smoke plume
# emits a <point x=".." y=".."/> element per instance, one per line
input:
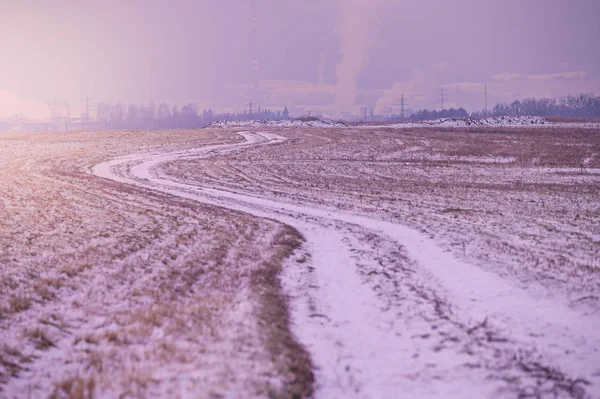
<point x="356" y="17"/>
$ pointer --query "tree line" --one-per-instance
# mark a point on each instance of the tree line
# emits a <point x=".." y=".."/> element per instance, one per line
<point x="584" y="105"/>
<point x="163" y="116"/>
<point x="425" y="114"/>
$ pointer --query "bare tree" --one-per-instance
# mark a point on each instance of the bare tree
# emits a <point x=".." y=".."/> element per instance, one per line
<point x="163" y="115"/>
<point x="104" y="114"/>
<point x="133" y="116"/>
<point x="118" y="115"/>
<point x="54" y="108"/>
<point x="68" y="111"/>
<point x="148" y="114"/>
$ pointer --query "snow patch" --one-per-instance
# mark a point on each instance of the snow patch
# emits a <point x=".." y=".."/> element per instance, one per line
<point x="462" y="122"/>
<point x="280" y="124"/>
<point x="356" y="335"/>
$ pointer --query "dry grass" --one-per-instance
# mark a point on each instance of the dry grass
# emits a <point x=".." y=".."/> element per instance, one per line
<point x="75" y="388"/>
<point x="40" y="338"/>
<point x="134" y="279"/>
<point x="74" y="270"/>
<point x="18" y="303"/>
<point x="555" y="383"/>
<point x="522" y="201"/>
<point x="293" y="359"/>
<point x="12" y="362"/>
<point x="128" y="282"/>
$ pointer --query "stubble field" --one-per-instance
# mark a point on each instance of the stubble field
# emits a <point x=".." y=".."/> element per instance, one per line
<point x="109" y="290"/>
<point x="429" y="261"/>
<point x="521" y="202"/>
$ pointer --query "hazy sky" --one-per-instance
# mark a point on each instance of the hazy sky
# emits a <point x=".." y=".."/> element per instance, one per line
<point x="327" y="55"/>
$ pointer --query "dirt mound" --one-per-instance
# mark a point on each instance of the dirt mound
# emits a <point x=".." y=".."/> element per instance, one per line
<point x="508" y="121"/>
<point x="497" y="121"/>
<point x="270" y="123"/>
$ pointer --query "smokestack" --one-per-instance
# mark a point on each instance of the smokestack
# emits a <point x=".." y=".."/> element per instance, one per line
<point x="356" y="17"/>
<point x="253" y="39"/>
<point x="321" y="71"/>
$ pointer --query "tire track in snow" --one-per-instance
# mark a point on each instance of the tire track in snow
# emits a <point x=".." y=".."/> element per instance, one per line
<point x="355" y="351"/>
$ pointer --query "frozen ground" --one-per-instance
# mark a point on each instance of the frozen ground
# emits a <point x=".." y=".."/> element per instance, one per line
<point x="385" y="308"/>
<point x="500" y="121"/>
<point x="110" y="290"/>
<point x="272" y="124"/>
<point x="434" y="263"/>
<point x="517" y="121"/>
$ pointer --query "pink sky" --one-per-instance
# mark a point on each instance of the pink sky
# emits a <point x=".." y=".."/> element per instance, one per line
<point x="326" y="55"/>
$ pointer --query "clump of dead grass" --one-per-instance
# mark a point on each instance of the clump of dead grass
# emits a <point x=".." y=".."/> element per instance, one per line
<point x="287" y="353"/>
<point x="75" y="388"/>
<point x="12" y="362"/>
<point x="18" y="303"/>
<point x="40" y="338"/>
<point x="550" y="382"/>
<point x="523" y="372"/>
<point x="74" y="270"/>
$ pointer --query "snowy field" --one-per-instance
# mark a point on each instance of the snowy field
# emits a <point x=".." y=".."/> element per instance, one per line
<point x="111" y="290"/>
<point x="269" y="260"/>
<point x="499" y="121"/>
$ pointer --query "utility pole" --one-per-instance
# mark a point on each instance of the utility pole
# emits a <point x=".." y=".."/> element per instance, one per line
<point x="486" y="99"/>
<point x="86" y="114"/>
<point x="402" y="107"/>
<point x="442" y="97"/>
<point x="364" y="113"/>
<point x="67" y="115"/>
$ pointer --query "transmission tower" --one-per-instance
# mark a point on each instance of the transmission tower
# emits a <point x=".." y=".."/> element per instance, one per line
<point x="86" y="111"/>
<point x="402" y="103"/>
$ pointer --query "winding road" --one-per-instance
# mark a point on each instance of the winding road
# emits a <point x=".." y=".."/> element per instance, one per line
<point x="382" y="308"/>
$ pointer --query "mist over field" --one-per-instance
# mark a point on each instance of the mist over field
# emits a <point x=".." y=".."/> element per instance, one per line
<point x="318" y="199"/>
<point x="329" y="57"/>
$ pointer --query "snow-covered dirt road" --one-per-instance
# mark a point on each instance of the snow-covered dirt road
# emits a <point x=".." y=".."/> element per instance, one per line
<point x="385" y="311"/>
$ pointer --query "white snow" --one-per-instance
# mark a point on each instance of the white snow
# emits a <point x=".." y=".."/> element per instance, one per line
<point x="500" y="121"/>
<point x="278" y="124"/>
<point x="87" y="262"/>
<point x="360" y="350"/>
